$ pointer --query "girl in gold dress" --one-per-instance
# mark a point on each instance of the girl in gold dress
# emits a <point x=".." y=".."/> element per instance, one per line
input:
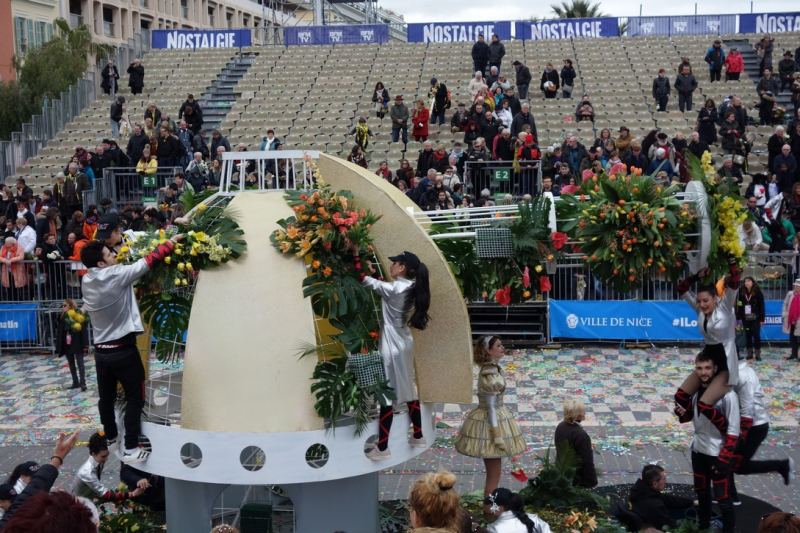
<point x="490" y="431"/>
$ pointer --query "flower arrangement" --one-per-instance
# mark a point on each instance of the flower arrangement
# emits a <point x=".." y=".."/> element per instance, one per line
<point x="126" y="518"/>
<point x="55" y="255"/>
<point x="628" y="226"/>
<point x="76" y="320"/>
<point x="727" y="213"/>
<point x="581" y="522"/>
<point x="324" y="225"/>
<point x="211" y="237"/>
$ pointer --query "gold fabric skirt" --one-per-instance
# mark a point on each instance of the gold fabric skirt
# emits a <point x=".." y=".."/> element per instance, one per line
<point x="474" y="439"/>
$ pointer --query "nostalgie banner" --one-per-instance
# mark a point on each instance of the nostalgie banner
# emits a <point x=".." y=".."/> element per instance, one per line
<point x="567" y="29"/>
<point x="684" y="25"/>
<point x="644" y="321"/>
<point x="201" y="38"/>
<point x="769" y="22"/>
<point x="452" y="32"/>
<point x="350" y="34"/>
<point x="18" y="322"/>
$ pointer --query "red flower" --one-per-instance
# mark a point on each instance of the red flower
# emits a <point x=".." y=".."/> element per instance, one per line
<point x="503" y="296"/>
<point x="544" y="284"/>
<point x="569" y="189"/>
<point x="526" y="278"/>
<point x="520" y="475"/>
<point x="619" y="167"/>
<point x="559" y="239"/>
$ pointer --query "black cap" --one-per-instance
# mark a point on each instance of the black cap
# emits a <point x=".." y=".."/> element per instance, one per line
<point x="29" y="468"/>
<point x="7" y="492"/>
<point x="106" y="226"/>
<point x="662" y="135"/>
<point x="121" y="99"/>
<point x="408" y="259"/>
<point x="499" y="497"/>
<point x="621" y="128"/>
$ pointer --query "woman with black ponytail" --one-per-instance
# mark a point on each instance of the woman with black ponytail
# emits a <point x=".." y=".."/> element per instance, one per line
<point x="509" y="509"/>
<point x="511" y="516"/>
<point x="87" y="479"/>
<point x="405" y="303"/>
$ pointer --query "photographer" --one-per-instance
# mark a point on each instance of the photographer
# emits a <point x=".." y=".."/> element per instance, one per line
<point x="136" y="77"/>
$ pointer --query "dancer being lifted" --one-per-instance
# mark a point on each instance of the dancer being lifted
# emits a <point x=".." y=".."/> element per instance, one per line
<point x="717" y="320"/>
<point x="405" y="303"/>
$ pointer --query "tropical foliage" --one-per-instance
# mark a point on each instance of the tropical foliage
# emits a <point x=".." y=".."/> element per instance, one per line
<point x="577" y="9"/>
<point x="508" y="280"/>
<point x="628" y="227"/>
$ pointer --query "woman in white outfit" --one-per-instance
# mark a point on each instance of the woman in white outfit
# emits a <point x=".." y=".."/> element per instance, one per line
<point x="511" y="517"/>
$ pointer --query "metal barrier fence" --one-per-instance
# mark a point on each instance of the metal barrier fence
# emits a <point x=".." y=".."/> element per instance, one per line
<point x="30" y="302"/>
<point x="56" y="114"/>
<point x="502" y="178"/>
<point x="125" y="186"/>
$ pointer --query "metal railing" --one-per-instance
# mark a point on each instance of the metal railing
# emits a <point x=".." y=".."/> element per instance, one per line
<point x="56" y="114"/>
<point x="502" y="178"/>
<point x="125" y="186"/>
<point x="108" y="29"/>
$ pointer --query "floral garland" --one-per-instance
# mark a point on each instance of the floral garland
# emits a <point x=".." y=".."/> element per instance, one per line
<point x="76" y="320"/>
<point x="326" y="222"/>
<point x="628" y="226"/>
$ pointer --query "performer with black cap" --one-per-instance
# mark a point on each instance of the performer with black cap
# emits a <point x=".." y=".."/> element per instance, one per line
<point x="405" y="303"/>
<point x="109" y="298"/>
<point x="7" y="497"/>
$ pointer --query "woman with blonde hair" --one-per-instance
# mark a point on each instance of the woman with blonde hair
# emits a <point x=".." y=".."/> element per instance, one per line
<point x="434" y="506"/>
<point x="14" y="274"/>
<point x="570" y="430"/>
<point x="490" y="431"/>
<point x="420" y="119"/>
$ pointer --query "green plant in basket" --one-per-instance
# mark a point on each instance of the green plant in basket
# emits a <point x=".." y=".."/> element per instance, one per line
<point x="628" y="227"/>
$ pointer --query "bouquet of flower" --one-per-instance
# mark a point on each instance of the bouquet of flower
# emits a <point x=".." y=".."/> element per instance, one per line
<point x="628" y="226"/>
<point x="76" y="320"/>
<point x="727" y="213"/>
<point x="55" y="255"/>
<point x="580" y="522"/>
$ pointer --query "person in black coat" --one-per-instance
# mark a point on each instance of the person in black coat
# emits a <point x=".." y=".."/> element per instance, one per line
<point x="697" y="146"/>
<point x="480" y="55"/>
<point x="570" y="430"/>
<point x="425" y="160"/>
<point x="568" y="76"/>
<point x="191" y="102"/>
<point x="170" y="149"/>
<point x="72" y="344"/>
<point x="636" y="158"/>
<point x="110" y="75"/>
<point x="153" y="485"/>
<point x="136" y="77"/>
<point x="775" y="144"/>
<point x="549" y="75"/>
<point x="651" y="504"/>
<point x="707" y="122"/>
<point x="136" y="144"/>
<point x="751" y="313"/>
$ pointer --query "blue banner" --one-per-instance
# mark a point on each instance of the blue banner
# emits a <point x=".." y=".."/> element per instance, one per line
<point x="567" y="29"/>
<point x="201" y="38"/>
<point x="634" y="320"/>
<point x="684" y="25"/>
<point x="769" y="22"/>
<point x="18" y="322"/>
<point x="351" y="34"/>
<point x="452" y="32"/>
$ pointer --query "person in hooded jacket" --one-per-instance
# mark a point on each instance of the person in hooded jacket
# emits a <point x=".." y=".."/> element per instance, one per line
<point x="568" y="76"/>
<point x="734" y="65"/>
<point x="497" y="51"/>
<point x="649" y="502"/>
<point x="549" y="75"/>
<point x="715" y="57"/>
<point x="661" y="90"/>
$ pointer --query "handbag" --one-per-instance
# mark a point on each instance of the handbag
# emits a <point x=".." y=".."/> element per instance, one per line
<point x="567" y="88"/>
<point x="741" y="339"/>
<point x="761" y="53"/>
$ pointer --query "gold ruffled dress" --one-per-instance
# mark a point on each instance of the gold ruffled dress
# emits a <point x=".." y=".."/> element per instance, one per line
<point x="474" y="438"/>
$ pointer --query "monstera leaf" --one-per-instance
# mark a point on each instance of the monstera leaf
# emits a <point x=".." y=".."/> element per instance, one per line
<point x="168" y="316"/>
<point x="335" y="296"/>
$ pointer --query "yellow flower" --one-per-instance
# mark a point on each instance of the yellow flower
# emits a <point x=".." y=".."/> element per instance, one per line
<point x="71" y="313"/>
<point x="135" y="527"/>
<point x="184" y="283"/>
<point x="77" y="327"/>
<point x="124" y="250"/>
<point x="177" y="282"/>
<point x="189" y="267"/>
<point x="538" y="268"/>
<point x="193" y="253"/>
<point x="200" y="236"/>
<point x="178" y="252"/>
<point x="201" y="207"/>
<point x="181" y="266"/>
<point x="168" y="260"/>
<point x="305" y="247"/>
<point x="162" y="233"/>
<point x="80" y="319"/>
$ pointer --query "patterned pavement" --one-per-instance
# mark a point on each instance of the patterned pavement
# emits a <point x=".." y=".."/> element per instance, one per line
<point x="628" y="394"/>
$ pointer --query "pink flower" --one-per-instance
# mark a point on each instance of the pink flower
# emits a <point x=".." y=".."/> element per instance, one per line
<point x="587" y="175"/>
<point x="569" y="189"/>
<point x="618" y="168"/>
<point x="526" y="278"/>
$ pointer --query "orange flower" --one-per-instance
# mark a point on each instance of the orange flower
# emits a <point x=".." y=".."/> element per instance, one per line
<point x="314" y="218"/>
<point x="374" y="334"/>
<point x="327" y="271"/>
<point x="315" y="265"/>
<point x="291" y="232"/>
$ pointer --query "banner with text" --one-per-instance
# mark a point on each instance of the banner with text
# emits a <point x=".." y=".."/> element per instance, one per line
<point x="351" y="34"/>
<point x="769" y="22"/>
<point x="451" y="32"/>
<point x="18" y="322"/>
<point x="567" y="29"/>
<point x="645" y="321"/>
<point x="201" y="38"/>
<point x="685" y="25"/>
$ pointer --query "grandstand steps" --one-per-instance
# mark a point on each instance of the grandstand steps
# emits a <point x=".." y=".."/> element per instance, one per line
<point x="221" y="95"/>
<point x="526" y="323"/>
<point x="750" y="57"/>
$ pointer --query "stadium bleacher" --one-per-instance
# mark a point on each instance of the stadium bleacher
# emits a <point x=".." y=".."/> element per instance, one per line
<point x="312" y="95"/>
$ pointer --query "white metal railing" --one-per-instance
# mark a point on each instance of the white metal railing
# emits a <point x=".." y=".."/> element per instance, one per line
<point x="263" y="178"/>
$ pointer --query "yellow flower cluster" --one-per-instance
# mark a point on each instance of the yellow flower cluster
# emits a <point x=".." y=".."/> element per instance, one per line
<point x="582" y="522"/>
<point x="731" y="215"/>
<point x="705" y="160"/>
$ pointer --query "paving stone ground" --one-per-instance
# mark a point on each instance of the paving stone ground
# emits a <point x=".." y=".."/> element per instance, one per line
<point x="628" y="394"/>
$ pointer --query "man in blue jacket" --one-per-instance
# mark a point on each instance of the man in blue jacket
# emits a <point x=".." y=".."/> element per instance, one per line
<point x="715" y="57"/>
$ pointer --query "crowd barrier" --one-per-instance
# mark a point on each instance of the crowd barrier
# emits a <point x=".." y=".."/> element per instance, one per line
<point x="502" y="178"/>
<point x="125" y="186"/>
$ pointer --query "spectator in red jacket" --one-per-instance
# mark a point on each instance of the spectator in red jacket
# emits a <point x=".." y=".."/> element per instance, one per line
<point x="734" y="65"/>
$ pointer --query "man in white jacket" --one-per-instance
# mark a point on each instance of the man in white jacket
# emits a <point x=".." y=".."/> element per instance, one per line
<point x="26" y="236"/>
<point x="750" y="236"/>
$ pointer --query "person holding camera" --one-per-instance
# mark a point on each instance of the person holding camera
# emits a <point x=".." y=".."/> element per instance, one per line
<point x="136" y="77"/>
